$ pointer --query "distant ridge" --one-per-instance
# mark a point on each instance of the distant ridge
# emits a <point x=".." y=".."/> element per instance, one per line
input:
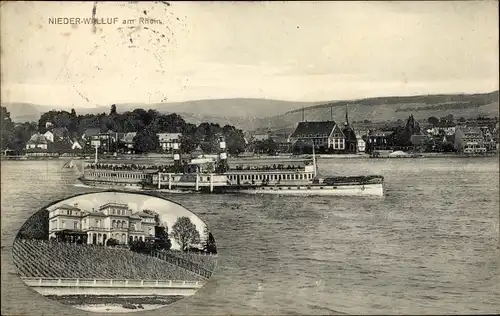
<point x="252" y="114"/>
<point x="383" y="109"/>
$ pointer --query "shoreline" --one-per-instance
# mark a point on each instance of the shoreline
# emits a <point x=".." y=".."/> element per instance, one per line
<point x="267" y="157"/>
<point x="110" y="299"/>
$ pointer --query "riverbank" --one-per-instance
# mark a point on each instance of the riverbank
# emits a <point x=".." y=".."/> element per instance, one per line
<point x="103" y="299"/>
<point x="102" y="303"/>
<point x="166" y="158"/>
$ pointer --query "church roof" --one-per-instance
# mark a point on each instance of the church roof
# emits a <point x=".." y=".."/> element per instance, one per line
<point x="311" y="129"/>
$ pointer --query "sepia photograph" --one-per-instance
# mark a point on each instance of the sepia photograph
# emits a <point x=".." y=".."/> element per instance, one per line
<point x="115" y="251"/>
<point x="250" y="157"/>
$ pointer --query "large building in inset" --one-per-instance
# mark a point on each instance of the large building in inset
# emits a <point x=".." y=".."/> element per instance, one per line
<point x="112" y="220"/>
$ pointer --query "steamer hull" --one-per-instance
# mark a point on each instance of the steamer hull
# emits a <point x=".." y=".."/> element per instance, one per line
<point x="347" y="190"/>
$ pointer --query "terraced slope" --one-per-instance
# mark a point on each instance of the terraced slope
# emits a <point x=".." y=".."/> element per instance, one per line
<point x="38" y="258"/>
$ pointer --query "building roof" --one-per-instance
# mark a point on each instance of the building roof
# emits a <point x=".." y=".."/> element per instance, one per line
<point x="92" y="132"/>
<point x="129" y="137"/>
<point x="310" y="129"/>
<point x="261" y="137"/>
<point x="142" y="214"/>
<point x="168" y="137"/>
<point x="101" y="214"/>
<point x="60" y="131"/>
<point x="38" y="139"/>
<point x="470" y="130"/>
<point x="381" y="133"/>
<point x="280" y="138"/>
<point x="113" y="204"/>
<point x="68" y="207"/>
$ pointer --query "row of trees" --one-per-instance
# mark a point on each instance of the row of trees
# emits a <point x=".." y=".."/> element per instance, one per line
<point x="145" y="123"/>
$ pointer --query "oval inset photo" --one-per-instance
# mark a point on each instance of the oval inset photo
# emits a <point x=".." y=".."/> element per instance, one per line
<point x="115" y="252"/>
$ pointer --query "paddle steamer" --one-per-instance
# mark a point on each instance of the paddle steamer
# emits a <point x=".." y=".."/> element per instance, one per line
<point x="217" y="175"/>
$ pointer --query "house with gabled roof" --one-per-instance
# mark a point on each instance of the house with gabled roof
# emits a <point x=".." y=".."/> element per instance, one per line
<point x="37" y="141"/>
<point x="91" y="132"/>
<point x="75" y="144"/>
<point x="167" y="140"/>
<point x="49" y="136"/>
<point x="128" y="139"/>
<point x="469" y="140"/>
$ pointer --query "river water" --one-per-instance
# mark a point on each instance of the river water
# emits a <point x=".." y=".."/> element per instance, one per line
<point x="428" y="247"/>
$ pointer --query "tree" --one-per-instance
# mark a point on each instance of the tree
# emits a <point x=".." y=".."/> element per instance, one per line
<point x="113" y="110"/>
<point x="162" y="241"/>
<point x="185" y="233"/>
<point x="209" y="244"/>
<point x="235" y="140"/>
<point x="434" y="121"/>
<point x="146" y="140"/>
<point x="73" y="126"/>
<point x="7" y="128"/>
<point x="267" y="146"/>
<point x="57" y="118"/>
<point x="21" y="135"/>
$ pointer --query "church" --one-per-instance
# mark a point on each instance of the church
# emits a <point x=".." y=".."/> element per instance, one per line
<point x="327" y="136"/>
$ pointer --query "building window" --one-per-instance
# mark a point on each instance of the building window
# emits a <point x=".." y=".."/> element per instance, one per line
<point x="75" y="225"/>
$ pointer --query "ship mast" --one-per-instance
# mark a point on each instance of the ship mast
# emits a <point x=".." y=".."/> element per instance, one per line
<point x="222" y="155"/>
<point x="314" y="160"/>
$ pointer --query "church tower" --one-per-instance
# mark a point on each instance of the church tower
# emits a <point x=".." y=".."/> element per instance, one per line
<point x="346" y="123"/>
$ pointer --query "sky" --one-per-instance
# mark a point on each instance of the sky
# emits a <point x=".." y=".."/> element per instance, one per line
<point x="296" y="51"/>
<point x="168" y="211"/>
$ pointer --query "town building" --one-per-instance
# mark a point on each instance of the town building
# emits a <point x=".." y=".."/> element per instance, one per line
<point x="260" y="137"/>
<point x="128" y="139"/>
<point x="441" y="130"/>
<point x="111" y="220"/>
<point x="378" y="140"/>
<point x="167" y="140"/>
<point x="37" y="141"/>
<point x="327" y="136"/>
<point x="361" y="136"/>
<point x="91" y="137"/>
<point x="469" y="140"/>
<point x="75" y="144"/>
<point x="282" y="141"/>
<point x="49" y="136"/>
